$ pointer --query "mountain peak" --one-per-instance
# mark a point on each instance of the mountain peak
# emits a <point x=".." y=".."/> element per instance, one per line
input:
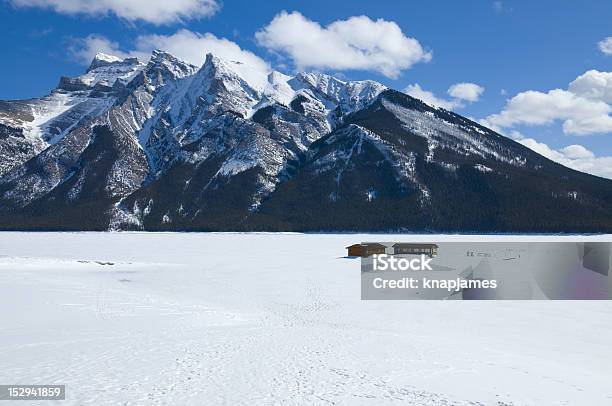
<point x="159" y="55"/>
<point x="101" y="56"/>
<point x="164" y="66"/>
<point x="101" y="59"/>
<point x="316" y="78"/>
<point x="256" y="77"/>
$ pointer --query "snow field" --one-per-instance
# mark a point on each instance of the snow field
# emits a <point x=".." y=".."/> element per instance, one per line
<point x="166" y="319"/>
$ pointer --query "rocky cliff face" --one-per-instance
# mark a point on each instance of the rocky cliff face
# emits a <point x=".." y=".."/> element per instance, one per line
<point x="168" y="146"/>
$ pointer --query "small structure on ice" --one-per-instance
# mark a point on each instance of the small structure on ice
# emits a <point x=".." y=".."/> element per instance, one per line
<point x="365" y="249"/>
<point x="415" y="249"/>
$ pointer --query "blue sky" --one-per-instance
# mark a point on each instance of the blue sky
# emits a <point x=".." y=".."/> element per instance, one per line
<point x="506" y="47"/>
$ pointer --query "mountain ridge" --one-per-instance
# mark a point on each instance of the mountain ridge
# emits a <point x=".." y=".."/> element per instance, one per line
<point x="228" y="147"/>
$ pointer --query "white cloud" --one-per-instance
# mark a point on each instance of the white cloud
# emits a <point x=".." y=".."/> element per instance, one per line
<point x="498" y="6"/>
<point x="354" y="43"/>
<point x="152" y="11"/>
<point x="466" y="91"/>
<point x="593" y="85"/>
<point x="461" y="93"/>
<point x="605" y="45"/>
<point x="573" y="156"/>
<point x="428" y="97"/>
<point x="184" y="44"/>
<point x="583" y="109"/>
<point x="577" y="152"/>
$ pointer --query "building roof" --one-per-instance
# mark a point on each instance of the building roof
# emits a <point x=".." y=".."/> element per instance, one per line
<point x="414" y="245"/>
<point x="368" y="244"/>
<point x="373" y="244"/>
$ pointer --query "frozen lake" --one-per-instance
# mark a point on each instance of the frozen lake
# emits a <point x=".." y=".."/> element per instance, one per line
<point x="190" y="319"/>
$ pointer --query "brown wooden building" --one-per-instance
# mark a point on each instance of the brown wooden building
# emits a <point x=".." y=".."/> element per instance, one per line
<point x="415" y="249"/>
<point x="365" y="249"/>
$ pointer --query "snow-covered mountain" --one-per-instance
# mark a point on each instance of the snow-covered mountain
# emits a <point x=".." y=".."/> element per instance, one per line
<point x="167" y="145"/>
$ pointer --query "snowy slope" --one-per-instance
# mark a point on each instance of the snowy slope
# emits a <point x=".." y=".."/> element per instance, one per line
<point x="164" y="318"/>
<point x="44" y="122"/>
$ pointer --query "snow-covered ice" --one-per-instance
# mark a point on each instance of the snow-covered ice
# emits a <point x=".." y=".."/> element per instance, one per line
<point x="191" y="319"/>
